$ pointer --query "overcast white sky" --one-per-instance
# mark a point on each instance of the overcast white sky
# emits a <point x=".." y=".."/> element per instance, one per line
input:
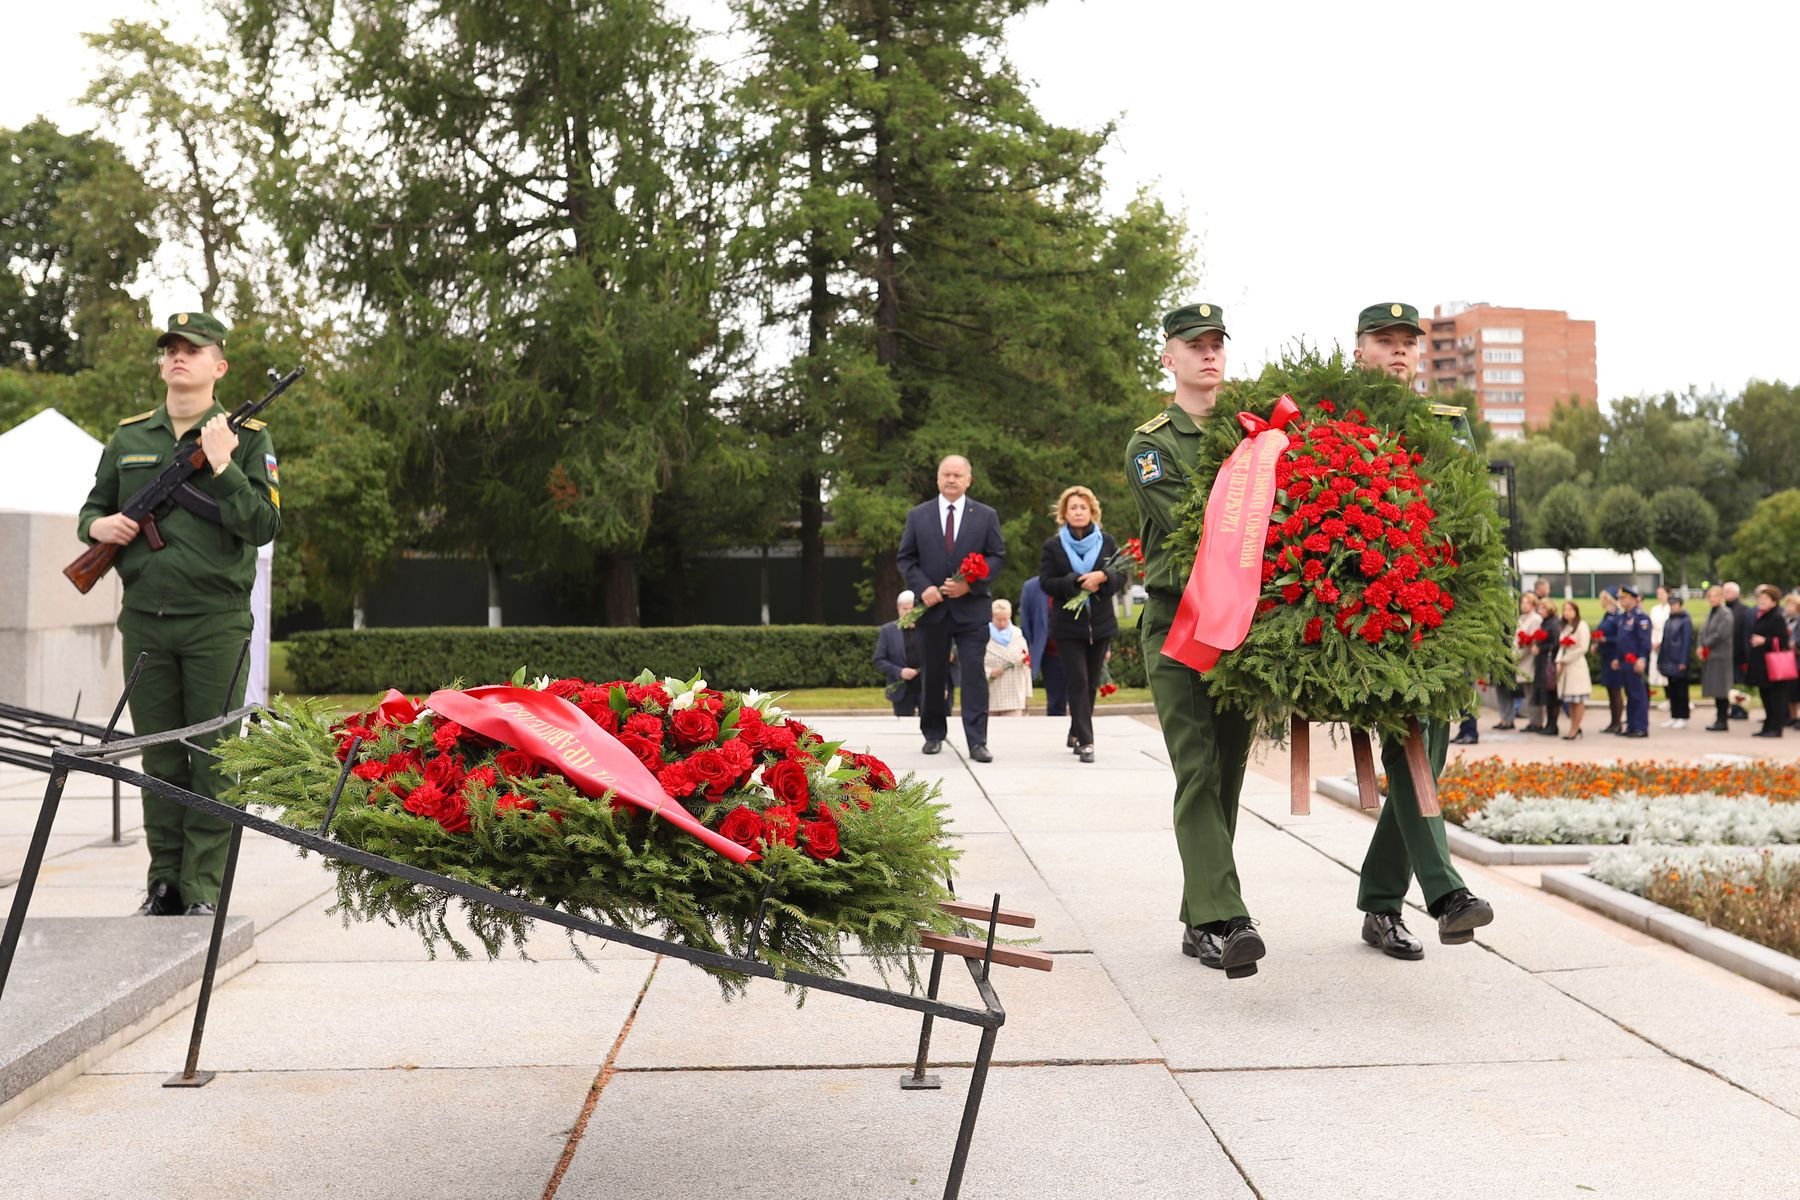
<point x="1632" y="163"/>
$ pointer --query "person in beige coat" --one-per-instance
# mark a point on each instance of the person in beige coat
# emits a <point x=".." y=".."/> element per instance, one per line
<point x="1574" y="685"/>
<point x="1525" y="655"/>
<point x="1008" y="664"/>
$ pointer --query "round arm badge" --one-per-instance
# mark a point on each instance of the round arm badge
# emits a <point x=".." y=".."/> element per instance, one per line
<point x="1149" y="466"/>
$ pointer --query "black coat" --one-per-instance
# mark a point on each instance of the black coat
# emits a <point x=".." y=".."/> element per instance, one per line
<point x="924" y="564"/>
<point x="1772" y="626"/>
<point x="1544" y="672"/>
<point x="1058" y="576"/>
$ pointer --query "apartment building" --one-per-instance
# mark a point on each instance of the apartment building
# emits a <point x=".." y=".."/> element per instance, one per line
<point x="1519" y="361"/>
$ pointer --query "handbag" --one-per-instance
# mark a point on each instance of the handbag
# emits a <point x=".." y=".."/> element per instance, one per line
<point x="1780" y="665"/>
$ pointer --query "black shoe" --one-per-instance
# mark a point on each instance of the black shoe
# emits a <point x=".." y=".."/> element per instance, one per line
<point x="1242" y="947"/>
<point x="1503" y="725"/>
<point x="1073" y="743"/>
<point x="199" y="910"/>
<point x="1718" y="727"/>
<point x="1459" y="915"/>
<point x="980" y="754"/>
<point x="1202" y="944"/>
<point x="1389" y="934"/>
<point x="1086" y="753"/>
<point x="1463" y="739"/>
<point x="1767" y="733"/>
<point x="1635" y="733"/>
<point x="162" y="900"/>
<point x="932" y="747"/>
<point x="1550" y="731"/>
<point x="1534" y="729"/>
<point x="1613" y="729"/>
<point x="1739" y="713"/>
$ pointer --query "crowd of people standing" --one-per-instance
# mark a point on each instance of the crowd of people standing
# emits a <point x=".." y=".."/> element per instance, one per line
<point x="1737" y="646"/>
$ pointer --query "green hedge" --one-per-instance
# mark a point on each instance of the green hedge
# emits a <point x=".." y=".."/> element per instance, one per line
<point x="729" y="656"/>
<point x="1127" y="665"/>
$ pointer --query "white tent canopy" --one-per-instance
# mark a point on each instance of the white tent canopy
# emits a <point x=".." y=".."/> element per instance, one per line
<point x="1589" y="560"/>
<point x="47" y="465"/>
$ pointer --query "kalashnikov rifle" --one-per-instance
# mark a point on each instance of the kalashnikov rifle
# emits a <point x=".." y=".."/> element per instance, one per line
<point x="171" y="483"/>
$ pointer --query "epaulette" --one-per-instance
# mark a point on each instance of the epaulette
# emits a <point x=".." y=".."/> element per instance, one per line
<point x="1448" y="410"/>
<point x="143" y="416"/>
<point x="1154" y="423"/>
<point x="253" y="423"/>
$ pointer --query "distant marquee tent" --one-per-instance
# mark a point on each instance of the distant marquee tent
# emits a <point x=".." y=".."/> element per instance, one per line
<point x="1592" y="567"/>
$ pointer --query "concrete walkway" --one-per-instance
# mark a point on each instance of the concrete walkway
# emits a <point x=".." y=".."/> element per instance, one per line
<point x="1558" y="1056"/>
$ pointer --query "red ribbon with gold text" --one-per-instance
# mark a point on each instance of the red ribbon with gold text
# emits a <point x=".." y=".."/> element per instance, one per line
<point x="562" y="737"/>
<point x="1220" y="600"/>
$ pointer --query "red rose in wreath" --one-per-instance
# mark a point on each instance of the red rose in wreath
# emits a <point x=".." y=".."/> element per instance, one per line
<point x="787" y="779"/>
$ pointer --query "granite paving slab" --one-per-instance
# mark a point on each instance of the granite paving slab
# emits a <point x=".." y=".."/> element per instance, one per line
<point x="1653" y="1129"/>
<point x="1746" y="1033"/>
<point x="85" y="818"/>
<point x="492" y="1134"/>
<point x="325" y="1016"/>
<point x="1046" y="1133"/>
<point x="76" y="981"/>
<point x="313" y="934"/>
<point x="1071" y="1013"/>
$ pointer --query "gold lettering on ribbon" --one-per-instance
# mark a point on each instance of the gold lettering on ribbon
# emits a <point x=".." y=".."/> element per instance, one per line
<point x="566" y="742"/>
<point x="1262" y="499"/>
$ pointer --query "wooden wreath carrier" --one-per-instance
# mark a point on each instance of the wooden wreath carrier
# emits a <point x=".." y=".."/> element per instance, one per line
<point x="1418" y="765"/>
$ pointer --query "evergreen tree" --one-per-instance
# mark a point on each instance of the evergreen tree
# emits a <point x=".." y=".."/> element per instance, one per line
<point x="952" y="283"/>
<point x="527" y="204"/>
<point x="1766" y="547"/>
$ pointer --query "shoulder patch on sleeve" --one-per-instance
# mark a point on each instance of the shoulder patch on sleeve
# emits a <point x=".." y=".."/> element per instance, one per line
<point x="1149" y="466"/>
<point x="143" y="416"/>
<point x="1154" y="423"/>
<point x="253" y="423"/>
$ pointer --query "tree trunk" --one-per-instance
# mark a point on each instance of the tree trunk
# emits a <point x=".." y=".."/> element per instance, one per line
<point x="619" y="589"/>
<point x="762" y="583"/>
<point x="358" y="609"/>
<point x="812" y="552"/>
<point x="1568" y="578"/>
<point x="888" y="584"/>
<point x="493" y="589"/>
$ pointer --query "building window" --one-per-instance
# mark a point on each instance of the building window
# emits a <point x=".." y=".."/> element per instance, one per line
<point x="1492" y="396"/>
<point x="1503" y="375"/>
<point x="1503" y="356"/>
<point x="1503" y="416"/>
<point x="1504" y="337"/>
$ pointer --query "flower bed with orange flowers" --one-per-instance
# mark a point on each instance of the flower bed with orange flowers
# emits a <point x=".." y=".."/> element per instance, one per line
<point x="1752" y="893"/>
<point x="1469" y="785"/>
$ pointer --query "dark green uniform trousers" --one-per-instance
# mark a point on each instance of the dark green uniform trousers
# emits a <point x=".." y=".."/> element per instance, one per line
<point x="1405" y="841"/>
<point x="1208" y="746"/>
<point x="191" y="660"/>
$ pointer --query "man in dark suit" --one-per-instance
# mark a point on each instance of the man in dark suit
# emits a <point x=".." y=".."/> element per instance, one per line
<point x="1046" y="663"/>
<point x="938" y="534"/>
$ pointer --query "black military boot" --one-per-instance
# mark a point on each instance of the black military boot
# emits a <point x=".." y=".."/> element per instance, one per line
<point x="1389" y="934"/>
<point x="1242" y="947"/>
<point x="1202" y="943"/>
<point x="1459" y="915"/>
<point x="162" y="900"/>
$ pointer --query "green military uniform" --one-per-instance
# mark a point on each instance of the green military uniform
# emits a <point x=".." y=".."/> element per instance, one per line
<point x="1208" y="744"/>
<point x="188" y="606"/>
<point x="1406" y="841"/>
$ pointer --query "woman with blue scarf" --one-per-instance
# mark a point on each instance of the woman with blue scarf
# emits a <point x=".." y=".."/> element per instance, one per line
<point x="1078" y="562"/>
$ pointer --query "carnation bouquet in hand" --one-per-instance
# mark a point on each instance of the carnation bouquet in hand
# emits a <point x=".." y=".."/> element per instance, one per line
<point x="842" y="847"/>
<point x="1129" y="557"/>
<point x="973" y="569"/>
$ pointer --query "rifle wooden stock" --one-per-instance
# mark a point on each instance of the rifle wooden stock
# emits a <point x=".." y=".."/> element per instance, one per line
<point x="94" y="562"/>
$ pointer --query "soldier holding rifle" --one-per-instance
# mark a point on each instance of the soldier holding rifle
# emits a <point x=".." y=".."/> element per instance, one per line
<point x="187" y="568"/>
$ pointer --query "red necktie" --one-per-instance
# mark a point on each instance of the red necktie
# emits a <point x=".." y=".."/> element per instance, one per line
<point x="950" y="531"/>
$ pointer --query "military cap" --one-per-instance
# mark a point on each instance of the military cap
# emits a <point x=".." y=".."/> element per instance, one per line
<point x="198" y="328"/>
<point x="1613" y="592"/>
<point x="1388" y="316"/>
<point x="1627" y="589"/>
<point x="1190" y="321"/>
